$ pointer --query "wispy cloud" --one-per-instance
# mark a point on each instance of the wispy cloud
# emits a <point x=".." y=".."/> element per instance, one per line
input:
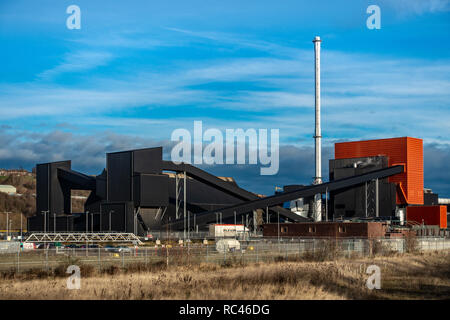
<point x="364" y="95"/>
<point x="77" y="62"/>
<point x="420" y="7"/>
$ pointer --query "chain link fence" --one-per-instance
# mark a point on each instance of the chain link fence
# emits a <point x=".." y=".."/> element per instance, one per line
<point x="14" y="258"/>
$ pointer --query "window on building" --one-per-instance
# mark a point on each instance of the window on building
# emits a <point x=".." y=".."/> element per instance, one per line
<point x="342" y="229"/>
<point x="284" y="229"/>
<point x="312" y="229"/>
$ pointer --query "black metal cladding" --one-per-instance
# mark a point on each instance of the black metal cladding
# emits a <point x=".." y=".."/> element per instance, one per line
<point x="35" y="223"/>
<point x="120" y="173"/>
<point x="351" y="202"/>
<point x="81" y="225"/>
<point x="52" y="194"/>
<point x="147" y="160"/>
<point x="430" y="199"/>
<point x="100" y="185"/>
<point x="76" y="180"/>
<point x="62" y="223"/>
<point x="151" y="190"/>
<point x="42" y="188"/>
<point x="122" y="216"/>
<point x="122" y="166"/>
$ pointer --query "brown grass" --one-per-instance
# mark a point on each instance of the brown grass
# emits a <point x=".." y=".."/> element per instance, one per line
<point x="408" y="276"/>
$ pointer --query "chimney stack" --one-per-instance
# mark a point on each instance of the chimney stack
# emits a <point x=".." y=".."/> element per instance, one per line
<point x="317" y="136"/>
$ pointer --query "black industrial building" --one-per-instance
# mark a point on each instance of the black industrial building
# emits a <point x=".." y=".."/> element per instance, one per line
<point x="361" y="201"/>
<point x="137" y="192"/>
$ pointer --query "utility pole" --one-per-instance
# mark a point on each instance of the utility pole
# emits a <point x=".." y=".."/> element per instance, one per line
<point x="195" y="224"/>
<point x="278" y="212"/>
<point x="45" y="219"/>
<point x="189" y="224"/>
<point x="110" y="211"/>
<point x="87" y="221"/>
<point x="7" y="224"/>
<point x="184" y="205"/>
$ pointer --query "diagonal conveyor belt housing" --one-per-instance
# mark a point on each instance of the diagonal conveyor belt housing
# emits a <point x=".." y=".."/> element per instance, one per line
<point x="229" y="188"/>
<point x="209" y="217"/>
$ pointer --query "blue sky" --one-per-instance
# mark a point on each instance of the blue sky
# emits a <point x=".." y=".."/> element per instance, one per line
<point x="137" y="70"/>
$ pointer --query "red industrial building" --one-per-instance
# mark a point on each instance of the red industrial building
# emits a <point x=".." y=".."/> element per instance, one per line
<point x="406" y="151"/>
<point x="399" y="197"/>
<point x="409" y="184"/>
<point x="326" y="229"/>
<point x="333" y="229"/>
<point x="428" y="215"/>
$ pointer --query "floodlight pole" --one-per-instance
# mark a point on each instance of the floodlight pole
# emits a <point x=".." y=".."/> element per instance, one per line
<point x="184" y="204"/>
<point x="7" y="225"/>
<point x="87" y="221"/>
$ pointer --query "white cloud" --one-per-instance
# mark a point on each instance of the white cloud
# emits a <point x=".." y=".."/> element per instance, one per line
<point x="420" y="7"/>
<point x="76" y="62"/>
<point x="363" y="95"/>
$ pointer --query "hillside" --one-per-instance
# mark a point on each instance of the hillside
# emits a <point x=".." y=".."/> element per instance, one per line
<point x="25" y="201"/>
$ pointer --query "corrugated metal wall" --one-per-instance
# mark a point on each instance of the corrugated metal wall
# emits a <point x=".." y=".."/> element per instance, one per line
<point x="430" y="215"/>
<point x="405" y="150"/>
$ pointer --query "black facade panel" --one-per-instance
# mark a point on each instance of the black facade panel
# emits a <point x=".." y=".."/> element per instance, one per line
<point x="100" y="186"/>
<point x="119" y="172"/>
<point x="42" y="188"/>
<point x="151" y="190"/>
<point x="62" y="223"/>
<point x="59" y="191"/>
<point x="359" y="202"/>
<point x="35" y="223"/>
<point x="147" y="160"/>
<point x="52" y="194"/>
<point x="119" y="215"/>
<point x="430" y="199"/>
<point x="91" y="225"/>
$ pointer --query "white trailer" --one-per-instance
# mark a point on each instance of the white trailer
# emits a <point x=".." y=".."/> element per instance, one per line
<point x="228" y="230"/>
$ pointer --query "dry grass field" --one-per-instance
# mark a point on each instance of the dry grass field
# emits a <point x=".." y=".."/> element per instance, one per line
<point x="407" y="276"/>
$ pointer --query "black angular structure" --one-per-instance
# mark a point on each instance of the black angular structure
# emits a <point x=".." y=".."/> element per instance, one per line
<point x="138" y="191"/>
<point x="135" y="193"/>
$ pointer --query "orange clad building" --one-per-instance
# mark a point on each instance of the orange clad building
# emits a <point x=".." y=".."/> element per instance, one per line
<point x="406" y="151"/>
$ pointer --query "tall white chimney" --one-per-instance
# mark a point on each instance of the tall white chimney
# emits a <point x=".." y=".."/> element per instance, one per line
<point x="318" y="136"/>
